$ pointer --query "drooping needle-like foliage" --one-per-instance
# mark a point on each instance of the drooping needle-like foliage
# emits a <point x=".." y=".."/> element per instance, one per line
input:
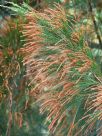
<point x="67" y="82"/>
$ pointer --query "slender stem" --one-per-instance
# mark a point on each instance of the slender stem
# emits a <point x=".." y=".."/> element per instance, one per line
<point x="94" y="22"/>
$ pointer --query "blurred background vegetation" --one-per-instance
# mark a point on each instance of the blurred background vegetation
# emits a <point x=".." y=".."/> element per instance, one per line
<point x="18" y="114"/>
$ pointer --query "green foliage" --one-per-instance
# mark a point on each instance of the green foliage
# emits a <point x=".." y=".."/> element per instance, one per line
<point x="65" y="73"/>
<point x="66" y="81"/>
<point x="15" y="103"/>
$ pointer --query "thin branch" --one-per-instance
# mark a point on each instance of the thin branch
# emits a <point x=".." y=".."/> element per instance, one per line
<point x="98" y="78"/>
<point x="94" y="22"/>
